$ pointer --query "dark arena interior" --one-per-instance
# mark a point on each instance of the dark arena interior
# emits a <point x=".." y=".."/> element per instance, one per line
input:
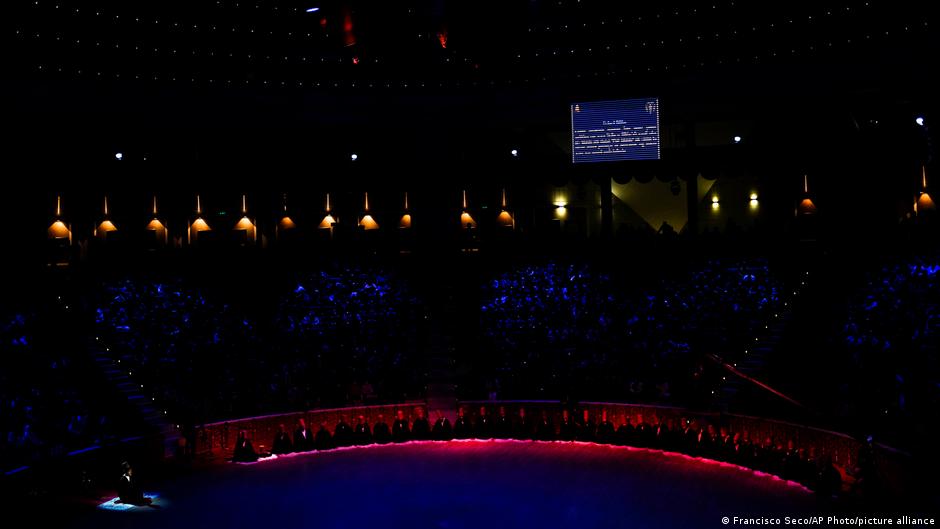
<point x="453" y="264"/>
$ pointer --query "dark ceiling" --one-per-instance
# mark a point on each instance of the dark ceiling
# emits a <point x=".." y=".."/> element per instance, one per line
<point x="264" y="83"/>
<point x="448" y="44"/>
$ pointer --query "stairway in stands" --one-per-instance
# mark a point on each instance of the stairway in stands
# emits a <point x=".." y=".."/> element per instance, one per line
<point x="442" y="389"/>
<point x="138" y="401"/>
<point x="740" y="395"/>
<point x="786" y="357"/>
<point x="452" y="305"/>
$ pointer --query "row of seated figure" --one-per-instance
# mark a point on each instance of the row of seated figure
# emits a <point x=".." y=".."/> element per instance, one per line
<point x="777" y="457"/>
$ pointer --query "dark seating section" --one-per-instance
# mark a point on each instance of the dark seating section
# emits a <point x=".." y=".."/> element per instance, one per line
<point x="187" y="350"/>
<point x="328" y="339"/>
<point x="48" y="403"/>
<point x="556" y="330"/>
<point x="350" y="336"/>
<point x="889" y="340"/>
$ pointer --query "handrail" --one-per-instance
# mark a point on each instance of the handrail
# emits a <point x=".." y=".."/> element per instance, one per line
<point x="734" y="371"/>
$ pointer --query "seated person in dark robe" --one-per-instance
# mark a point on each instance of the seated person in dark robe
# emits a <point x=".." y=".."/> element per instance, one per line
<point x="400" y="430"/>
<point x="714" y="438"/>
<point x="586" y="428"/>
<point x="662" y="435"/>
<point x="626" y="433"/>
<point x="808" y="468"/>
<point x="791" y="462"/>
<point x="690" y="438"/>
<point x="483" y="428"/>
<point x="605" y="430"/>
<point x="381" y="431"/>
<point x="303" y="437"/>
<point x="281" y="443"/>
<point x="779" y="458"/>
<point x="361" y="432"/>
<point x="743" y="451"/>
<point x="764" y="456"/>
<point x="502" y="426"/>
<point x="567" y="430"/>
<point x="545" y="430"/>
<point x="420" y="428"/>
<point x="773" y="457"/>
<point x="828" y="480"/>
<point x="442" y="430"/>
<point x="644" y="432"/>
<point x="707" y="439"/>
<point x="726" y="445"/>
<point x="128" y="490"/>
<point x="522" y="428"/>
<point x="323" y="439"/>
<point x="342" y="434"/>
<point x="462" y="428"/>
<point x="244" y="451"/>
<point x="736" y="449"/>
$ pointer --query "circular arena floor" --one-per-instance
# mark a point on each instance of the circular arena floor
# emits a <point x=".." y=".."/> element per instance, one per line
<point x="465" y="484"/>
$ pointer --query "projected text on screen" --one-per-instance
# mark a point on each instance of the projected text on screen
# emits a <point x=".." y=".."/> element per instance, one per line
<point x="609" y="131"/>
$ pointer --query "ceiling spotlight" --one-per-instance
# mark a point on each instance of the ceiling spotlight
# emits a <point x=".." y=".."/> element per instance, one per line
<point x="354" y="157"/>
<point x="118" y="156"/>
<point x="919" y="120"/>
<point x="514" y="152"/>
<point x="313" y="9"/>
<point x="737" y="139"/>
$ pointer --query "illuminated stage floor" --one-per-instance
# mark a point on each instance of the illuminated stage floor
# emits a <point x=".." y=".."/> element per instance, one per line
<point x="466" y="484"/>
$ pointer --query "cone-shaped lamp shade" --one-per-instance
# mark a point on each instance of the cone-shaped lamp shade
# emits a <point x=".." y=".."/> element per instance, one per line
<point x="200" y="225"/>
<point x="58" y="230"/>
<point x="286" y="223"/>
<point x="104" y="228"/>
<point x="806" y="207"/>
<point x="368" y="223"/>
